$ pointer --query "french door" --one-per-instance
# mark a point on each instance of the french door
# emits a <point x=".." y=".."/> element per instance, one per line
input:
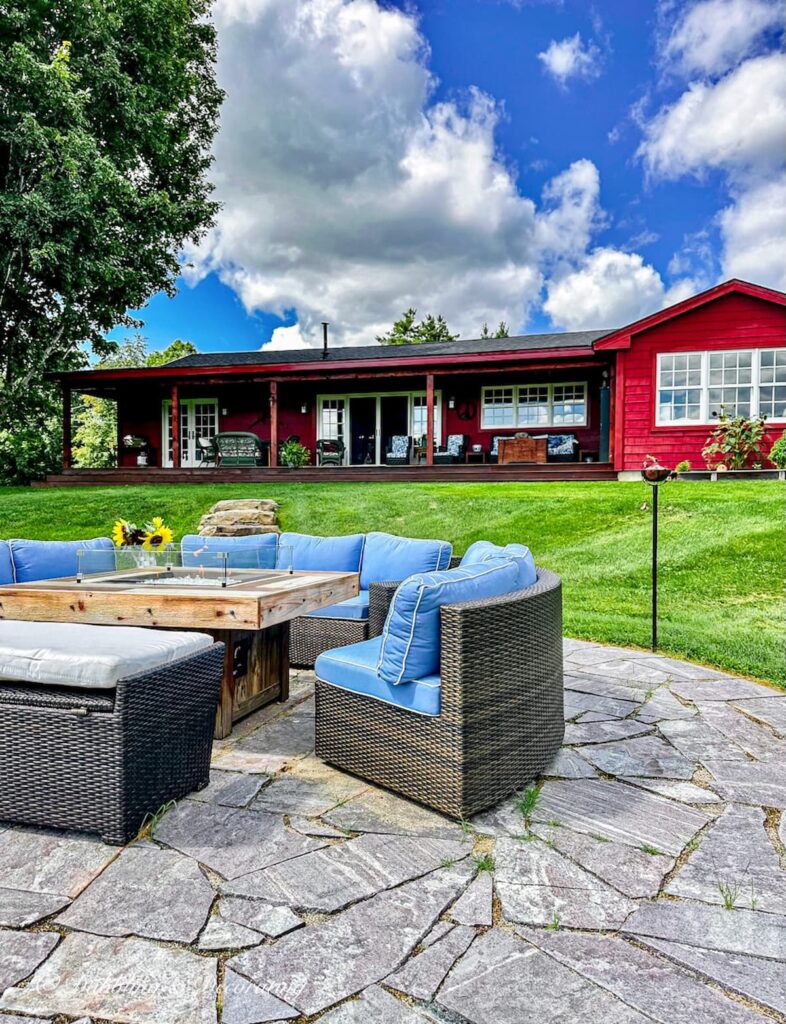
<point x="198" y="419"/>
<point x="366" y="422"/>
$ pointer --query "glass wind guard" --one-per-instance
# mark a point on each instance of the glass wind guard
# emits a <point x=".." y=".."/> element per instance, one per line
<point x="201" y="567"/>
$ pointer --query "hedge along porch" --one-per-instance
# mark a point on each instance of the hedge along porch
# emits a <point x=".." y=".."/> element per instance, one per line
<point x="652" y="387"/>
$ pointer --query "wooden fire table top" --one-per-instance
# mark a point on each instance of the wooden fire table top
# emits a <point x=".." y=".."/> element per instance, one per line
<point x="254" y="599"/>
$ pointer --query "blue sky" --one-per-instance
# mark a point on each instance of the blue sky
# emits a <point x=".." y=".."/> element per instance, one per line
<point x="377" y="156"/>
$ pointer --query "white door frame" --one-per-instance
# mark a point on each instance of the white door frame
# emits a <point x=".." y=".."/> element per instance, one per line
<point x="379" y="395"/>
<point x="188" y="458"/>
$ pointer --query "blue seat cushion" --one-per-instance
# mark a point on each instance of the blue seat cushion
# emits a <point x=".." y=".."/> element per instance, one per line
<point x="355" y="608"/>
<point x="254" y="552"/>
<point x="386" y="557"/>
<point x="483" y="550"/>
<point x="320" y="554"/>
<point x="6" y="564"/>
<point x="49" y="559"/>
<point x="354" y="668"/>
<point x="411" y="637"/>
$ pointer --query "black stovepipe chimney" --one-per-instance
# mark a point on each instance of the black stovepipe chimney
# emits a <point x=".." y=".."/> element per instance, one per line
<point x="324" y="339"/>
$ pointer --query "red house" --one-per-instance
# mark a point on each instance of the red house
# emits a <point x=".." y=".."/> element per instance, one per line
<point x="653" y="387"/>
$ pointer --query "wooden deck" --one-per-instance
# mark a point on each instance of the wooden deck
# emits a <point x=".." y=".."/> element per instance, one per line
<point x="521" y="472"/>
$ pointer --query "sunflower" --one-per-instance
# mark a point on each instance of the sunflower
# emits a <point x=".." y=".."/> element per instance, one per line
<point x="157" y="535"/>
<point x="125" y="533"/>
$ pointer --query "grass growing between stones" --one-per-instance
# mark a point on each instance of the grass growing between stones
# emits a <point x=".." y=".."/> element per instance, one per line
<point x="722" y="545"/>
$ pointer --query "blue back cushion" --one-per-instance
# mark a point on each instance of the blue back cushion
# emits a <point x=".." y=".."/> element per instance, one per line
<point x="411" y="637"/>
<point x="483" y="550"/>
<point x="6" y="565"/>
<point x="386" y="557"/>
<point x="48" y="559"/>
<point x="254" y="552"/>
<point x="301" y="551"/>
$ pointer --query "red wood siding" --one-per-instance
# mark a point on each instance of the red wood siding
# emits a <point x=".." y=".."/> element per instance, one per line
<point x="731" y="322"/>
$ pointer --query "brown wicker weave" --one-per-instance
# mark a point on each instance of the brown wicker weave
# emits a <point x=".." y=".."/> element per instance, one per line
<point x="312" y="635"/>
<point x="501" y="721"/>
<point x="102" y="761"/>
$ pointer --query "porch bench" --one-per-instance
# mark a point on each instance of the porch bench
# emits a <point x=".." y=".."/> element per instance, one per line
<point x="100" y="726"/>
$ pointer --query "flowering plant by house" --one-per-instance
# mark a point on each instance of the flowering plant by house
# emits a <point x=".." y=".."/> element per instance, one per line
<point x="152" y="536"/>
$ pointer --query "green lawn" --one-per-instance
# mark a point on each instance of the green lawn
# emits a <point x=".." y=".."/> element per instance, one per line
<point x="722" y="545"/>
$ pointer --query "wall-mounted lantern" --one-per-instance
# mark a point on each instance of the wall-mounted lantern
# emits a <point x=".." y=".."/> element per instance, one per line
<point x="304" y="408"/>
<point x="451" y="402"/>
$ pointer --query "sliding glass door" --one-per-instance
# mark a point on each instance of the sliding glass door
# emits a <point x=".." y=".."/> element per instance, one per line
<point x="367" y="422"/>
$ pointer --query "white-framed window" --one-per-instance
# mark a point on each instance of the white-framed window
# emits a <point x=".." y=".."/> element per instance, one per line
<point x="333" y="410"/>
<point x="420" y="416"/>
<point x="692" y="387"/>
<point x="534" y="406"/>
<point x="498" y="407"/>
<point x="772" y="383"/>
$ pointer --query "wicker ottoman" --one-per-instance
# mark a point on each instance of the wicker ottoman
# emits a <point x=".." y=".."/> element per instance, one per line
<point x="102" y="725"/>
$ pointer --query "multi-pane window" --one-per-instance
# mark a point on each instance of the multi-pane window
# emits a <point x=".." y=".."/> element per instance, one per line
<point x="772" y="384"/>
<point x="499" y="407"/>
<point x="680" y="387"/>
<point x="730" y="383"/>
<point x="569" y="404"/>
<point x="333" y="418"/>
<point x="533" y="406"/>
<point x="420" y="415"/>
<point x="694" y="387"/>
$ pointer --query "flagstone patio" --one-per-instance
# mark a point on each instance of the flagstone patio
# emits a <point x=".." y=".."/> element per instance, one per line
<point x="647" y="883"/>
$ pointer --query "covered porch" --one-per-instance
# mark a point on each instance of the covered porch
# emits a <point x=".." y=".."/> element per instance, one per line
<point x="447" y="420"/>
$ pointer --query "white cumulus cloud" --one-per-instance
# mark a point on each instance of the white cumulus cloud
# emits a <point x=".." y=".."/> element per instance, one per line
<point x="609" y="289"/>
<point x="754" y="235"/>
<point x="570" y="58"/>
<point x="348" y="195"/>
<point x="712" y="36"/>
<point x="736" y="124"/>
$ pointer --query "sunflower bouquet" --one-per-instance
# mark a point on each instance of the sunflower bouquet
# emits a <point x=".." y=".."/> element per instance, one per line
<point x="153" y="536"/>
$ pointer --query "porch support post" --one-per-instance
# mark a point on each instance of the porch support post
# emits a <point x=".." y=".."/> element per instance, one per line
<point x="273" y="423"/>
<point x="430" y="419"/>
<point x="66" y="427"/>
<point x="605" y="418"/>
<point x="175" y="410"/>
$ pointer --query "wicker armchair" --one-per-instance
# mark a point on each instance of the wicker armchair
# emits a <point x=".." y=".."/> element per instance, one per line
<point x="501" y="719"/>
<point x="104" y="760"/>
<point x="330" y="451"/>
<point x="453" y="451"/>
<point x="399" y="450"/>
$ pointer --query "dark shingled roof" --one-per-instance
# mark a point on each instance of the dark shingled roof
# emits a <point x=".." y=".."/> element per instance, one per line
<point x="364" y="353"/>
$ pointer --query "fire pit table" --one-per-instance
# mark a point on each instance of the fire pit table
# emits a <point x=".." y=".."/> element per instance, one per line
<point x="249" y="613"/>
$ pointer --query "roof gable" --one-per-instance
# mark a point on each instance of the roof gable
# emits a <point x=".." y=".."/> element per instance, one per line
<point x="622" y="338"/>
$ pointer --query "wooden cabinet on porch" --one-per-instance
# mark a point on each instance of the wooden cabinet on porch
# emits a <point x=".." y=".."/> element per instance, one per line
<point x="522" y="449"/>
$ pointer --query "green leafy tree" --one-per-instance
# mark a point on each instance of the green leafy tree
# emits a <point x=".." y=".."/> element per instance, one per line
<point x="407" y="330"/>
<point x="107" y="114"/>
<point x="177" y="350"/>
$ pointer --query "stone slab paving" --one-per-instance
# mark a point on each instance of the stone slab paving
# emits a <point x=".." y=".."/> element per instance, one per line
<point x="332" y="878"/>
<point x="122" y="901"/>
<point x="20" y="907"/>
<point x="327" y="899"/>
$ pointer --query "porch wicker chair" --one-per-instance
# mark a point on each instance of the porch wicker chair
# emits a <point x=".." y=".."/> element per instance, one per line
<point x="399" y="451"/>
<point x="493" y="455"/>
<point x="563" y="448"/>
<point x="240" y="448"/>
<point x="453" y="451"/>
<point x="501" y="718"/>
<point x="330" y="451"/>
<point x="207" y="449"/>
